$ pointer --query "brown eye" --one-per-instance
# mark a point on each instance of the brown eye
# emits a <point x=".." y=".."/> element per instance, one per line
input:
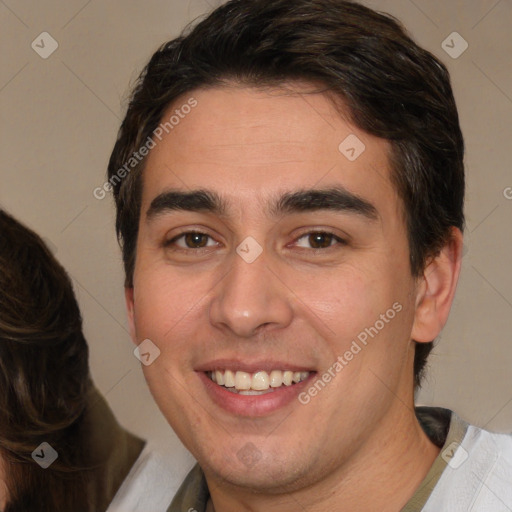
<point x="193" y="240"/>
<point x="320" y="240"/>
<point x="190" y="240"/>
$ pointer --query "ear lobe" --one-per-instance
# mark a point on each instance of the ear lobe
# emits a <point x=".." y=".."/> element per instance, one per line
<point x="436" y="289"/>
<point x="130" y="307"/>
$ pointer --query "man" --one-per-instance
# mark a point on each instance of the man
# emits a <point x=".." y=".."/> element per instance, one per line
<point x="289" y="186"/>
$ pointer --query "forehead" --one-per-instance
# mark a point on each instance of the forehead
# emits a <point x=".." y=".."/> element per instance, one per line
<point x="248" y="144"/>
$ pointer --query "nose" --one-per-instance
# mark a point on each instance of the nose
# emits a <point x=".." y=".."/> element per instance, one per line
<point x="251" y="298"/>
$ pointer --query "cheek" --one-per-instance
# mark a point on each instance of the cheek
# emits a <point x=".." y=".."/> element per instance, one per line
<point x="360" y="313"/>
<point x="343" y="300"/>
<point x="164" y="299"/>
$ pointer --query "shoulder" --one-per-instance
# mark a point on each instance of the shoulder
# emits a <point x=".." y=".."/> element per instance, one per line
<point x="153" y="480"/>
<point x="478" y="475"/>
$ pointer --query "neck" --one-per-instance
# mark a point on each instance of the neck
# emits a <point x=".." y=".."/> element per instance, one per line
<point x="382" y="475"/>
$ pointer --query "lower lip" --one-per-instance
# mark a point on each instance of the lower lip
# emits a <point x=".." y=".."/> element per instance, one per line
<point x="253" y="405"/>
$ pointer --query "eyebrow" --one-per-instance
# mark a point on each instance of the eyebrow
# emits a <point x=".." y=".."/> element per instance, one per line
<point x="337" y="199"/>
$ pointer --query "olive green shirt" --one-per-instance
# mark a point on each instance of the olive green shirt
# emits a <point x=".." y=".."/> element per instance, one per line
<point x="112" y="449"/>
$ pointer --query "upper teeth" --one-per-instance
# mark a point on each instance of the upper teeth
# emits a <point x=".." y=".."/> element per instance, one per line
<point x="258" y="381"/>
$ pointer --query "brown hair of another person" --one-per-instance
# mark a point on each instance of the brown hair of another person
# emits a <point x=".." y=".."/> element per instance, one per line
<point x="44" y="376"/>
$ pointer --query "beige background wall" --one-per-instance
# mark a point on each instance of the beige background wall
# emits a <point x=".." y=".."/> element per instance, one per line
<point x="59" y="118"/>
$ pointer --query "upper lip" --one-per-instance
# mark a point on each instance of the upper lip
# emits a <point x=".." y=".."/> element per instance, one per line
<point x="251" y="366"/>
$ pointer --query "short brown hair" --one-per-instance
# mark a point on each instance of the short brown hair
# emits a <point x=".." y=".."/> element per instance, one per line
<point x="392" y="89"/>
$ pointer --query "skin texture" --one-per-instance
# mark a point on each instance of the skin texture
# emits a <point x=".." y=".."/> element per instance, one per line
<point x="356" y="445"/>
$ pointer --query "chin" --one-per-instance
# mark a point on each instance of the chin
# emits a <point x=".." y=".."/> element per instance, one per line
<point x="257" y="470"/>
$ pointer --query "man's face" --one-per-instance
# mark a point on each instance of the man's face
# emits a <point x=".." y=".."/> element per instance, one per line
<point x="302" y="304"/>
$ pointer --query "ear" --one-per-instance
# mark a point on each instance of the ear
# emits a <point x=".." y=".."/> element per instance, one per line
<point x="436" y="289"/>
<point x="130" y="307"/>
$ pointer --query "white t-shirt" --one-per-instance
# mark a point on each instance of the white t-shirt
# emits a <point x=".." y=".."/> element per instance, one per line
<point x="478" y="477"/>
<point x="153" y="480"/>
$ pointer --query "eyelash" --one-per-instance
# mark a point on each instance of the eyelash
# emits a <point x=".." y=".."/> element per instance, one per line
<point x="340" y="241"/>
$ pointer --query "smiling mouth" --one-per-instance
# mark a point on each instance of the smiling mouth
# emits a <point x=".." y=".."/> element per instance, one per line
<point x="258" y="383"/>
